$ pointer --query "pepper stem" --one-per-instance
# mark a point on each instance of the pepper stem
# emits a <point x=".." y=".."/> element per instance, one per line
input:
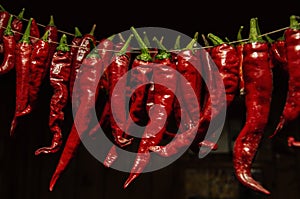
<point x="161" y="39"/>
<point x="26" y="35"/>
<point x="177" y="43"/>
<point x="253" y="31"/>
<point x="294" y="24"/>
<point x="145" y="55"/>
<point x="126" y="45"/>
<point x="259" y="38"/>
<point x="93" y="30"/>
<point x="206" y="43"/>
<point x="111" y="37"/>
<point x="215" y="39"/>
<point x="121" y="37"/>
<point x="1" y="8"/>
<point x="8" y="30"/>
<point x="63" y="44"/>
<point x="192" y="43"/>
<point x="21" y="14"/>
<point x="94" y="50"/>
<point x="77" y="32"/>
<point x="45" y="36"/>
<point x="146" y="40"/>
<point x="239" y="34"/>
<point x="162" y="50"/>
<point x="51" y="22"/>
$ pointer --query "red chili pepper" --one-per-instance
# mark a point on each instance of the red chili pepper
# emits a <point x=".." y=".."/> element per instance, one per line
<point x="4" y="17"/>
<point x="34" y="32"/>
<point x="9" y="49"/>
<point x="39" y="56"/>
<point x="22" y="64"/>
<point x="88" y="74"/>
<point x="52" y="39"/>
<point x="291" y="110"/>
<point x="163" y="71"/>
<point x="17" y="25"/>
<point x="75" y="42"/>
<point x="59" y="78"/>
<point x="78" y="57"/>
<point x="258" y="93"/>
<point x="240" y="52"/>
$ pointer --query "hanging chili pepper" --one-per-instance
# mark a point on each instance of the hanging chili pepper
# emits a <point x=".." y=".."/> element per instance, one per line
<point x="52" y="40"/>
<point x="83" y="49"/>
<point x="240" y="52"/>
<point x="88" y="74"/>
<point x="22" y="64"/>
<point x="59" y="77"/>
<point x="4" y="17"/>
<point x="17" y="25"/>
<point x="258" y="92"/>
<point x="291" y="110"/>
<point x="34" y="32"/>
<point x="75" y="42"/>
<point x="163" y="71"/>
<point x="9" y="44"/>
<point x="39" y="56"/>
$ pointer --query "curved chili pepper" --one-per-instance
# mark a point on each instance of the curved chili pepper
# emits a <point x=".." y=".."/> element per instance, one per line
<point x="240" y="52"/>
<point x="291" y="108"/>
<point x="89" y="74"/>
<point x="34" y="32"/>
<point x="78" y="57"/>
<point x="17" y="25"/>
<point x="9" y="44"/>
<point x="22" y="64"/>
<point x="39" y="56"/>
<point x="52" y="40"/>
<point x="75" y="42"/>
<point x="59" y="77"/>
<point x="258" y="93"/>
<point x="4" y="17"/>
<point x="163" y="69"/>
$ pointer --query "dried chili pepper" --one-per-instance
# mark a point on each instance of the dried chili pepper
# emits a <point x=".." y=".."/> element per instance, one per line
<point x="88" y="74"/>
<point x="4" y="17"/>
<point x="39" y="57"/>
<point x="291" y="110"/>
<point x="240" y="51"/>
<point x="53" y="40"/>
<point x="59" y="78"/>
<point x="258" y="93"/>
<point x="163" y="71"/>
<point x="83" y="49"/>
<point x="17" y="25"/>
<point x="9" y="44"/>
<point x="75" y="42"/>
<point x="22" y="64"/>
<point x="34" y="32"/>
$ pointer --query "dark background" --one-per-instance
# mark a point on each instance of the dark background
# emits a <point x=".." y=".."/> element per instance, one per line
<point x="23" y="175"/>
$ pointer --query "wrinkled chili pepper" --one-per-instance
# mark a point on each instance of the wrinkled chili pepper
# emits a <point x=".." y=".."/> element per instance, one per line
<point x="39" y="56"/>
<point x="4" y="17"/>
<point x="163" y="71"/>
<point x="240" y="51"/>
<point x="9" y="44"/>
<point x="34" y="32"/>
<point x="22" y="64"/>
<point x="17" y="25"/>
<point x="78" y="57"/>
<point x="53" y="40"/>
<point x="59" y="78"/>
<point x="89" y="75"/>
<point x="291" y="110"/>
<point x="258" y="93"/>
<point x="75" y="42"/>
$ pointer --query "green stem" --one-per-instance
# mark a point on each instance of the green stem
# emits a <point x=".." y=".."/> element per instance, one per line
<point x="125" y="47"/>
<point x="145" y="55"/>
<point x="93" y="30"/>
<point x="45" y="36"/>
<point x="146" y="40"/>
<point x="1" y="8"/>
<point x="239" y="34"/>
<point x="161" y="39"/>
<point x="94" y="51"/>
<point x="177" y="43"/>
<point x="8" y="30"/>
<point x="294" y="24"/>
<point x="51" y="22"/>
<point x="63" y="44"/>
<point x="77" y="32"/>
<point x="162" y="50"/>
<point x="111" y="37"/>
<point x="204" y="40"/>
<point x="259" y="38"/>
<point x="25" y="38"/>
<point x="215" y="39"/>
<point x="121" y="37"/>
<point x="227" y="39"/>
<point x="190" y="46"/>
<point x="253" y="35"/>
<point x="21" y="14"/>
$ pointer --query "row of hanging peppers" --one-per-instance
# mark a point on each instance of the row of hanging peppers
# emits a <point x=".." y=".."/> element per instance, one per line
<point x="245" y="69"/>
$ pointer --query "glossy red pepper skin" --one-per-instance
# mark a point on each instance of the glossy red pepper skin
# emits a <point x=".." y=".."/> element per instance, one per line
<point x="89" y="75"/>
<point x="9" y="44"/>
<point x="291" y="110"/>
<point x="59" y="78"/>
<point x="17" y="25"/>
<point x="240" y="53"/>
<point x="52" y="40"/>
<point x="278" y="54"/>
<point x="34" y="32"/>
<point x="4" y="17"/>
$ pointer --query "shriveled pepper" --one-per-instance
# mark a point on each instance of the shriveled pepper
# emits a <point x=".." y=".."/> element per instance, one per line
<point x="34" y="32"/>
<point x="240" y="52"/>
<point x="9" y="44"/>
<point x="17" y="25"/>
<point x="258" y="93"/>
<point x="53" y="40"/>
<point x="4" y="17"/>
<point x="59" y="78"/>
<point x="22" y="64"/>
